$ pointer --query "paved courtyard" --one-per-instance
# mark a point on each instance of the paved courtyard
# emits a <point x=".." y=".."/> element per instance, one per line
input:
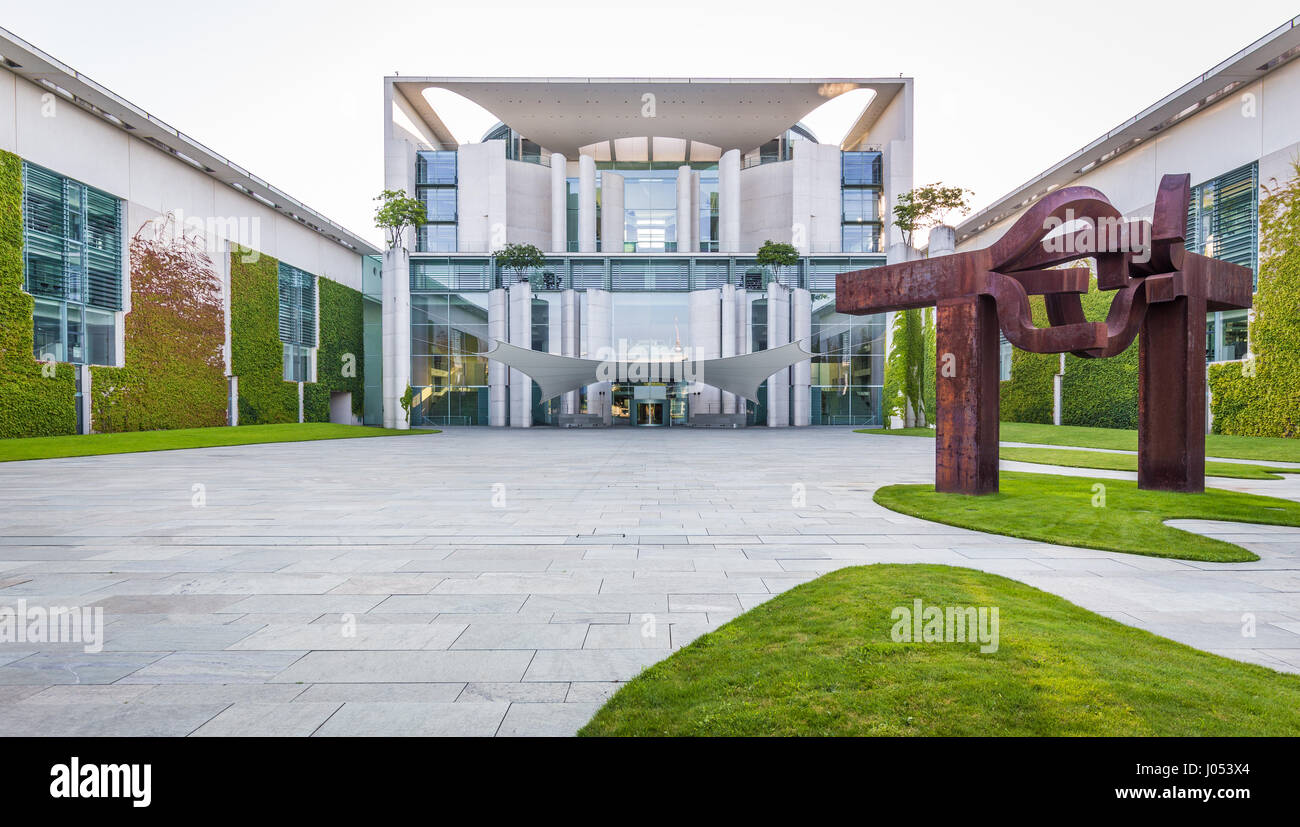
<point x="500" y="582"/>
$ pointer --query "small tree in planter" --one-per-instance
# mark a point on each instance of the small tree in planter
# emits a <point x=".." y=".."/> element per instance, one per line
<point x="928" y="206"/>
<point x="396" y="213"/>
<point x="519" y="258"/>
<point x="777" y="255"/>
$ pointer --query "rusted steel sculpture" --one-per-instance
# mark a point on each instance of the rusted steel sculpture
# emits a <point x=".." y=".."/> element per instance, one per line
<point x="1163" y="292"/>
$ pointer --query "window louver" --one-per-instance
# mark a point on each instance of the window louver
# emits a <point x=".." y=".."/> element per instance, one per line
<point x="72" y="240"/>
<point x="297" y="306"/>
<point x="1223" y="217"/>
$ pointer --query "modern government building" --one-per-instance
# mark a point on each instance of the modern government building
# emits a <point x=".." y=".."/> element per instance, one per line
<point x="649" y="198"/>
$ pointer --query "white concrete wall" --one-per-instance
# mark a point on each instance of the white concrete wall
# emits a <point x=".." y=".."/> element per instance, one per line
<point x="612" y="227"/>
<point x="481" y="186"/>
<point x="766" y="204"/>
<point x="706" y="343"/>
<point x="778" y="333"/>
<point x="816" y="206"/>
<point x="892" y="133"/>
<point x="1223" y="137"/>
<point x="521" y="335"/>
<point x="528" y="204"/>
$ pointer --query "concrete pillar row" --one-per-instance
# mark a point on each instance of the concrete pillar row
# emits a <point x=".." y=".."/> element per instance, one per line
<point x="396" y="335"/>
<point x="611" y="212"/>
<point x="685" y="236"/>
<point x="498" y="374"/>
<point x="586" y="204"/>
<point x="778" y="333"/>
<point x="728" y="336"/>
<point x="801" y="373"/>
<point x="600" y="339"/>
<point x="706" y="343"/>
<point x="559" y="204"/>
<point x="570" y="341"/>
<point x="521" y="335"/>
<point x="729" y="202"/>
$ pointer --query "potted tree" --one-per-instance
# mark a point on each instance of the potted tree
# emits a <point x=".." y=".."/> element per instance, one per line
<point x="519" y="258"/>
<point x="397" y="212"/>
<point x="777" y="255"/>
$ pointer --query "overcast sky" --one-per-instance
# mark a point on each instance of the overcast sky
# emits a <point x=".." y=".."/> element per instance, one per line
<point x="292" y="90"/>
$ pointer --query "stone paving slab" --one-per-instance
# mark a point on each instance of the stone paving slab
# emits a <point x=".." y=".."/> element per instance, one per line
<point x="319" y="593"/>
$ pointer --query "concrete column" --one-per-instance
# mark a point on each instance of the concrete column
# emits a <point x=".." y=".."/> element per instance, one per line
<point x="396" y="334"/>
<point x="559" y="204"/>
<point x="685" y="236"/>
<point x="728" y="332"/>
<point x="778" y="333"/>
<point x="521" y="335"/>
<point x="570" y="341"/>
<point x="586" y="204"/>
<point x="801" y="373"/>
<point x="729" y="202"/>
<point x="706" y="343"/>
<point x="943" y="241"/>
<point x="600" y="335"/>
<point x="498" y="374"/>
<point x="611" y="212"/>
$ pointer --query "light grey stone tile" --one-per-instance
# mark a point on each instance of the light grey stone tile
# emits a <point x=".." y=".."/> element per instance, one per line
<point x="547" y="693"/>
<point x="214" y="667"/>
<point x="263" y="720"/>
<point x="521" y="636"/>
<point x="546" y="720"/>
<point x="407" y="667"/>
<point x="415" y="719"/>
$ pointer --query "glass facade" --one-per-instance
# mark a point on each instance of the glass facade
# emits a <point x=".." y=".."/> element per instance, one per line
<point x="72" y="265"/>
<point x="1223" y="222"/>
<point x="860" y="192"/>
<point x="650" y="207"/>
<point x="297" y="322"/>
<point x="435" y="187"/>
<point x="848" y="371"/>
<point x="449" y="381"/>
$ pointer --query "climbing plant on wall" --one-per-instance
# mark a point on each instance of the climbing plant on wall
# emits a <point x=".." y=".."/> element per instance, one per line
<point x="174" y="373"/>
<point x="1027" y="395"/>
<point x="1100" y="393"/>
<point x="36" y="399"/>
<point x="1261" y="396"/>
<point x="339" y="357"/>
<point x="909" y="387"/>
<point x="256" y="353"/>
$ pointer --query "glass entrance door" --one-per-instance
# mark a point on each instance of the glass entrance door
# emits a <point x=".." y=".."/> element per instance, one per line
<point x="650" y="413"/>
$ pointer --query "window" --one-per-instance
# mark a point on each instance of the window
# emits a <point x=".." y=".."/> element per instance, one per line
<point x="1223" y="222"/>
<point x="860" y="202"/>
<point x="435" y="187"/>
<point x="72" y="265"/>
<point x="448" y="376"/>
<point x="297" y="321"/>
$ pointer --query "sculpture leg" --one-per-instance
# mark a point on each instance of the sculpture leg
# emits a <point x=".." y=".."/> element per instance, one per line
<point x="1171" y="396"/>
<point x="966" y="371"/>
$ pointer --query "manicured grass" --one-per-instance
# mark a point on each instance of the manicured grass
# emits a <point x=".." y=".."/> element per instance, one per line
<point x="819" y="660"/>
<point x="1058" y="509"/>
<point x="49" y="447"/>
<point x="1129" y="462"/>
<point x="1268" y="449"/>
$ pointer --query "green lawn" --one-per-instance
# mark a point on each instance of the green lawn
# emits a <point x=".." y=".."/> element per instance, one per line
<point x="1129" y="462"/>
<point x="1268" y="449"/>
<point x="1058" y="509"/>
<point x="819" y="660"/>
<point x="48" y="447"/>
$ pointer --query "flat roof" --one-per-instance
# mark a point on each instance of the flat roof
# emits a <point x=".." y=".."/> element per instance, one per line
<point x="30" y="63"/>
<point x="1246" y="66"/>
<point x="564" y="114"/>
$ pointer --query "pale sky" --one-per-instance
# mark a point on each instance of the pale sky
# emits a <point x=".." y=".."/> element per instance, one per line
<point x="292" y="90"/>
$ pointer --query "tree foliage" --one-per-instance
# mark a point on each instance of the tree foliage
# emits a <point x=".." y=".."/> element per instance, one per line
<point x="929" y="206"/>
<point x="396" y="212"/>
<point x="777" y="255"/>
<point x="519" y="258"/>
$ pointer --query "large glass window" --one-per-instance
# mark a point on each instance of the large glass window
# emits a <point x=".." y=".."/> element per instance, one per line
<point x="435" y="176"/>
<point x="72" y="264"/>
<point x="848" y="370"/>
<point x="448" y="377"/>
<point x="1223" y="222"/>
<point x="860" y="192"/>
<point x="297" y="321"/>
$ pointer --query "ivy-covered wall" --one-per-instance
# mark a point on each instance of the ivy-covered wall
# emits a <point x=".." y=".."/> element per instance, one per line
<point x="256" y="354"/>
<point x="909" y="384"/>
<point x="339" y="362"/>
<point x="35" y="399"/>
<point x="1261" y="397"/>
<point x="174" y="373"/>
<point x="1098" y="393"/>
<point x="1027" y="395"/>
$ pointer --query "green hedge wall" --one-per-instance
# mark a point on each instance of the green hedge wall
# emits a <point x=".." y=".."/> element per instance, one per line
<point x="256" y="354"/>
<point x="35" y="399"/>
<point x="1100" y="393"/>
<point x="339" y="359"/>
<point x="174" y="374"/>
<point x="910" y="367"/>
<point x="1027" y="395"/>
<point x="1262" y="397"/>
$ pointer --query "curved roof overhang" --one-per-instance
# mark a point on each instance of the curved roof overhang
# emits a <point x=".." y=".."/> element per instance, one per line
<point x="564" y="114"/>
